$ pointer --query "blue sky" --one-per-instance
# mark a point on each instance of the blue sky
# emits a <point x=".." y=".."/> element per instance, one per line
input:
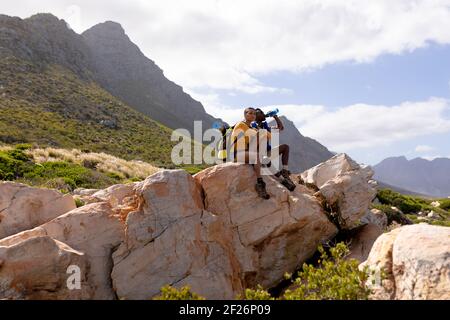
<point x="369" y="78"/>
<point x="388" y="80"/>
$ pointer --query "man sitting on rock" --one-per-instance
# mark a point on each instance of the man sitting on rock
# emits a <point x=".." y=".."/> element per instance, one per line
<point x="246" y="149"/>
<point x="282" y="150"/>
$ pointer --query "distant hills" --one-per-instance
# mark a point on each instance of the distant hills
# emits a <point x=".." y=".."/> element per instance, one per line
<point x="417" y="175"/>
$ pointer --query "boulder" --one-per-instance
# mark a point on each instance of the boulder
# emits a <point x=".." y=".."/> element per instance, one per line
<point x="376" y="217"/>
<point x="170" y="239"/>
<point x="36" y="268"/>
<point x="416" y="262"/>
<point x="96" y="230"/>
<point x="433" y="215"/>
<point x="211" y="232"/>
<point x="270" y="237"/>
<point x="362" y="241"/>
<point x="23" y="207"/>
<point x="346" y="187"/>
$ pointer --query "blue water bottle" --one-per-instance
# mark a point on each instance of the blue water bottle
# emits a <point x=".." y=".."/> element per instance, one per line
<point x="272" y="113"/>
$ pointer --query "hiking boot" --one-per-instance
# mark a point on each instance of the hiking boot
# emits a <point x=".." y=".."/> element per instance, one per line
<point x="287" y="182"/>
<point x="284" y="173"/>
<point x="260" y="188"/>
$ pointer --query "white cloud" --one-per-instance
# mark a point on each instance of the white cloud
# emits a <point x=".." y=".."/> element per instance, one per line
<point x="433" y="157"/>
<point x="423" y="149"/>
<point x="226" y="44"/>
<point x="367" y="126"/>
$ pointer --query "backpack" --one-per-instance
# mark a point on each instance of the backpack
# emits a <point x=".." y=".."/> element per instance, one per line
<point x="226" y="131"/>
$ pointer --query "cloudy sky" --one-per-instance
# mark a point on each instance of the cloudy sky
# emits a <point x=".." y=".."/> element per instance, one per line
<point x="370" y="78"/>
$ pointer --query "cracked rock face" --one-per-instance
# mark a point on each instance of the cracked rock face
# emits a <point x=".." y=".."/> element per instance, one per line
<point x="211" y="232"/>
<point x="416" y="263"/>
<point x="23" y="207"/>
<point x="345" y="186"/>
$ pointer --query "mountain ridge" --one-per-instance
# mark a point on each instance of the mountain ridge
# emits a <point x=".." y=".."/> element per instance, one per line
<point x="429" y="177"/>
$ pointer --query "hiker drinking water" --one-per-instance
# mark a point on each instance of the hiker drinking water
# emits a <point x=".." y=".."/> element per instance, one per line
<point x="283" y="150"/>
<point x="246" y="148"/>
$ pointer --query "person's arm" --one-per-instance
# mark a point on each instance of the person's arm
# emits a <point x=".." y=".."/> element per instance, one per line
<point x="279" y="123"/>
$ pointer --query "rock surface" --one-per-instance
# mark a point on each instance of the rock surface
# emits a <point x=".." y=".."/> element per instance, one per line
<point x="363" y="240"/>
<point x="211" y="232"/>
<point x="376" y="217"/>
<point x="346" y="187"/>
<point x="416" y="262"/>
<point x="36" y="268"/>
<point x="23" y="207"/>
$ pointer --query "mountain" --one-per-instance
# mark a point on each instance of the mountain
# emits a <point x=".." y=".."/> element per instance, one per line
<point x="381" y="185"/>
<point x="105" y="55"/>
<point x="418" y="175"/>
<point x="121" y="68"/>
<point x="49" y="96"/>
<point x="304" y="152"/>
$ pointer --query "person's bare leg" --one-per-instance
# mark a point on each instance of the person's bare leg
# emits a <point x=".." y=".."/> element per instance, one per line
<point x="260" y="186"/>
<point x="284" y="151"/>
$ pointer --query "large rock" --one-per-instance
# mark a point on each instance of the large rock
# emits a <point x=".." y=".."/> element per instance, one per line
<point x="270" y="237"/>
<point x="346" y="187"/>
<point x="362" y="241"/>
<point x="36" y="268"/>
<point x="170" y="239"/>
<point x="95" y="230"/>
<point x="416" y="262"/>
<point x="23" y="207"/>
<point x="215" y="234"/>
<point x="211" y="232"/>
<point x="376" y="217"/>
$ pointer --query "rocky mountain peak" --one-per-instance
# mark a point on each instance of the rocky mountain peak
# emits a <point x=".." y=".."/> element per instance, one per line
<point x="109" y="29"/>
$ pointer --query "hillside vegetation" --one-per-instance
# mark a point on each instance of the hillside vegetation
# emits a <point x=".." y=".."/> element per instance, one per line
<point x="415" y="208"/>
<point x="67" y="170"/>
<point x="52" y="107"/>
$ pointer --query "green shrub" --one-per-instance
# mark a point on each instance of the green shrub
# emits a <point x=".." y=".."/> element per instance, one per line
<point x="335" y="278"/>
<point x="445" y="204"/>
<point x="79" y="202"/>
<point x="171" y="293"/>
<point x="393" y="215"/>
<point x="256" y="294"/>
<point x="23" y="146"/>
<point x="13" y="164"/>
<point x="407" y="204"/>
<point x="64" y="175"/>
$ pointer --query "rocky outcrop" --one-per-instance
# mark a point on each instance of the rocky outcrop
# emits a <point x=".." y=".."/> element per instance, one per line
<point x="415" y="261"/>
<point x="346" y="188"/>
<point x="36" y="268"/>
<point x="95" y="230"/>
<point x="23" y="207"/>
<point x="269" y="236"/>
<point x="211" y="232"/>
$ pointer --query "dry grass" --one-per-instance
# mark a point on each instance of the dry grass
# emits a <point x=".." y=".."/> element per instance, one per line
<point x="100" y="161"/>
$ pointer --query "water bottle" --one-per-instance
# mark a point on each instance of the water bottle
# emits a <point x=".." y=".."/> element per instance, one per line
<point x="272" y="113"/>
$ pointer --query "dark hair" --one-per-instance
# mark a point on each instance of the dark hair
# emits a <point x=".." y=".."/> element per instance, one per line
<point x="249" y="108"/>
<point x="259" y="110"/>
